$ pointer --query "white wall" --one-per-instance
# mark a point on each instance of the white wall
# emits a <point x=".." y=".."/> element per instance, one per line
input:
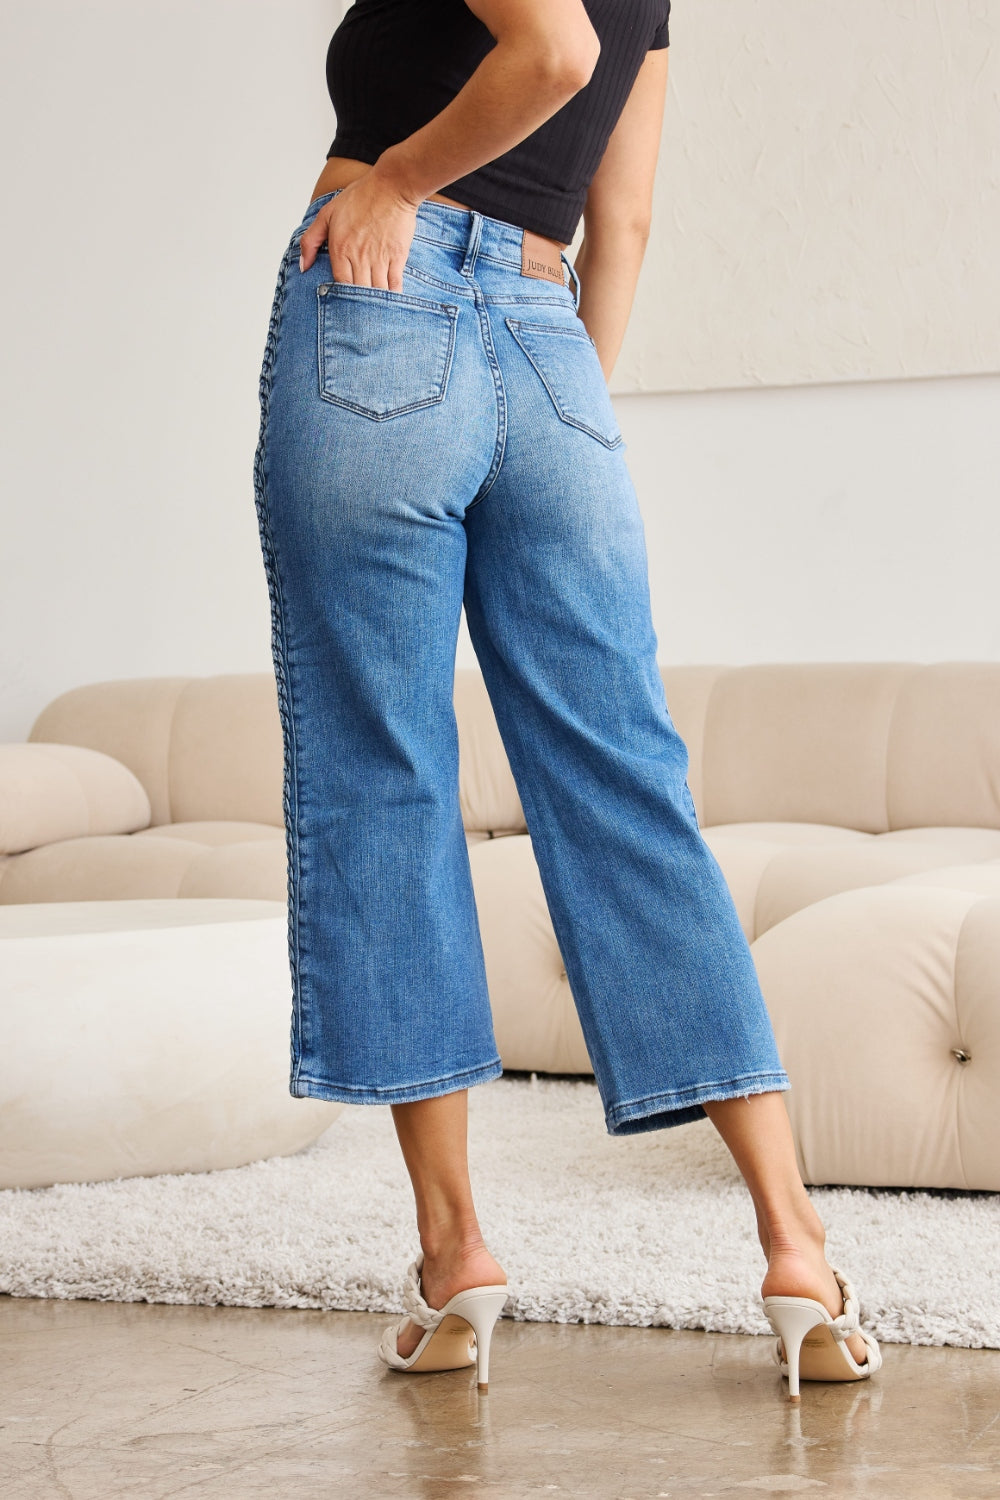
<point x="156" y="157"/>
<point x="856" y="522"/>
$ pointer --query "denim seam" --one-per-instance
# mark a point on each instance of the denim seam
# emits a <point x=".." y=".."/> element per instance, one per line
<point x="279" y="648"/>
<point x="491" y="1069"/>
<point x="501" y="395"/>
<point x="432" y="239"/>
<point x="677" y="1098"/>
<point x="437" y="281"/>
<point x="502" y="299"/>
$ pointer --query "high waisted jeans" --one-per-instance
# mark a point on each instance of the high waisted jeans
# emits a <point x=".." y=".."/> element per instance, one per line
<point x="455" y="442"/>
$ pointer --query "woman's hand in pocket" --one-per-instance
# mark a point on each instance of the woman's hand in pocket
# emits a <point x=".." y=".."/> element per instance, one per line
<point x="368" y="229"/>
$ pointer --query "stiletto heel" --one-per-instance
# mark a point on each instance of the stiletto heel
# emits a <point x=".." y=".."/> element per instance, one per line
<point x="481" y="1308"/>
<point x="457" y="1335"/>
<point x="792" y="1318"/>
<point x="824" y="1355"/>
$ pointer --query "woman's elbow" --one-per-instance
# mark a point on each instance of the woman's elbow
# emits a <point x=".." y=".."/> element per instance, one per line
<point x="567" y="63"/>
<point x="581" y="60"/>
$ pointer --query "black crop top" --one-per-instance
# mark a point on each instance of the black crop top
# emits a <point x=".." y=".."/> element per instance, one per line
<point x="392" y="65"/>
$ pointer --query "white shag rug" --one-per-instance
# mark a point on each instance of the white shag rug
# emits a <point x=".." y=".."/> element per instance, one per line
<point x="647" y="1230"/>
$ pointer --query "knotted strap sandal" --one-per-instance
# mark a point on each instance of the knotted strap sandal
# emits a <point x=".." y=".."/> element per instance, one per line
<point x="456" y="1335"/>
<point x="815" y="1346"/>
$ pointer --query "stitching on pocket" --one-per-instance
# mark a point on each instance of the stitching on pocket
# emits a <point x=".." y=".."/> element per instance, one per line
<point x="381" y="349"/>
<point x="572" y="408"/>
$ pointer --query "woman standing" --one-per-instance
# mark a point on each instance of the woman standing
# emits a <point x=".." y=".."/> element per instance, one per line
<point x="437" y="430"/>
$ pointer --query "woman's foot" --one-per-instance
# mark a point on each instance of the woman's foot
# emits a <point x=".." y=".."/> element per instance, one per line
<point x="798" y="1268"/>
<point x="454" y="1268"/>
<point x="758" y="1133"/>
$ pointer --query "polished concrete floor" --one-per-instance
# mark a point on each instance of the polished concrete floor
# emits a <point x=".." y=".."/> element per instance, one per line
<point x="101" y="1400"/>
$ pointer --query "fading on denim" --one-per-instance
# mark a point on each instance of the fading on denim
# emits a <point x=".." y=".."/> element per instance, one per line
<point x="454" y="443"/>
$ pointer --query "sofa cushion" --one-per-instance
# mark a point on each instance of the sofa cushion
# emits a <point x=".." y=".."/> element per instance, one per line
<point x="252" y="871"/>
<point x="204" y="747"/>
<point x="807" y="741"/>
<point x="226" y="751"/>
<point x="129" y="718"/>
<point x="943" y="757"/>
<point x="775" y="869"/>
<point x="487" y="791"/>
<point x="795" y="878"/>
<point x="212" y="833"/>
<point x="192" y="860"/>
<point x="779" y="835"/>
<point x="688" y="689"/>
<point x="115" y="868"/>
<point x="534" y="1017"/>
<point x="884" y="1008"/>
<point x="983" y="878"/>
<point x="145" y="1037"/>
<point x="50" y="792"/>
<point x="745" y="851"/>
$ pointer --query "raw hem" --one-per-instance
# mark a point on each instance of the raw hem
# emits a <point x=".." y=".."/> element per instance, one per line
<point x="348" y="1093"/>
<point x="660" y="1111"/>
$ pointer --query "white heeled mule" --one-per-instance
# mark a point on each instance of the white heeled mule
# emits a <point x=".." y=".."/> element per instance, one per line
<point x="457" y="1335"/>
<point x="814" y="1343"/>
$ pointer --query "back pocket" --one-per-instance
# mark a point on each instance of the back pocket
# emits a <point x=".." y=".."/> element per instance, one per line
<point x="382" y="353"/>
<point x="567" y="363"/>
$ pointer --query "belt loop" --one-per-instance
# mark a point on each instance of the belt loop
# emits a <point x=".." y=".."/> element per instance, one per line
<point x="576" y="280"/>
<point x="468" y="266"/>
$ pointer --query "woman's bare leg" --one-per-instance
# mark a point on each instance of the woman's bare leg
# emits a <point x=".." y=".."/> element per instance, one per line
<point x="433" y="1134"/>
<point x="759" y="1136"/>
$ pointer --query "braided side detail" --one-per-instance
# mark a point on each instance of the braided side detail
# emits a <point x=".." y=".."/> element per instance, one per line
<point x="278" y="647"/>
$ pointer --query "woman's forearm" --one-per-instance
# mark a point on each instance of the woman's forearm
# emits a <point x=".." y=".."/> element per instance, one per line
<point x="520" y="83"/>
<point x="608" y="264"/>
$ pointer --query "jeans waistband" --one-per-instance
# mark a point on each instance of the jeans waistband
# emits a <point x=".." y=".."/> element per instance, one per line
<point x="464" y="229"/>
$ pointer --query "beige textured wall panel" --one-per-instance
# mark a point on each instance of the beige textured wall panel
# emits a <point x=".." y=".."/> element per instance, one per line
<point x="828" y="196"/>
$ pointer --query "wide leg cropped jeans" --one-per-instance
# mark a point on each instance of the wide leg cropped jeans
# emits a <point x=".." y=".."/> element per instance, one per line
<point x="450" y="443"/>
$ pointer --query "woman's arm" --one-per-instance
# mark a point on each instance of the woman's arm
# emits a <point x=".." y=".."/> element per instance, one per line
<point x="546" y="50"/>
<point x="617" y="213"/>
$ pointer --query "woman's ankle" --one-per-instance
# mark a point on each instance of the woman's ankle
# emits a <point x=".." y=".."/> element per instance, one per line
<point x="793" y="1224"/>
<point x="450" y="1239"/>
<point x="457" y="1266"/>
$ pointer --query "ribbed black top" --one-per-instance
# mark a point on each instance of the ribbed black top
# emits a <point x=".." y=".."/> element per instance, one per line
<point x="392" y="65"/>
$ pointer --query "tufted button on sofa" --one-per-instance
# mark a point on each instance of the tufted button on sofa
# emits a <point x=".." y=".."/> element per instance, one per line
<point x="854" y="809"/>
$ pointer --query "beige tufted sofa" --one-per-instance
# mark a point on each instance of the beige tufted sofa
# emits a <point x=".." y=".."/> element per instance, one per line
<point x="854" y="809"/>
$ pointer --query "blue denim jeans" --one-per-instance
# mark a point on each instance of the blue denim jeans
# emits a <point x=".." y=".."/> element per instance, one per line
<point x="450" y="443"/>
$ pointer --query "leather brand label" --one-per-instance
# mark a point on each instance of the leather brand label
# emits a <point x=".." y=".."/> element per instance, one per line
<point x="540" y="258"/>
